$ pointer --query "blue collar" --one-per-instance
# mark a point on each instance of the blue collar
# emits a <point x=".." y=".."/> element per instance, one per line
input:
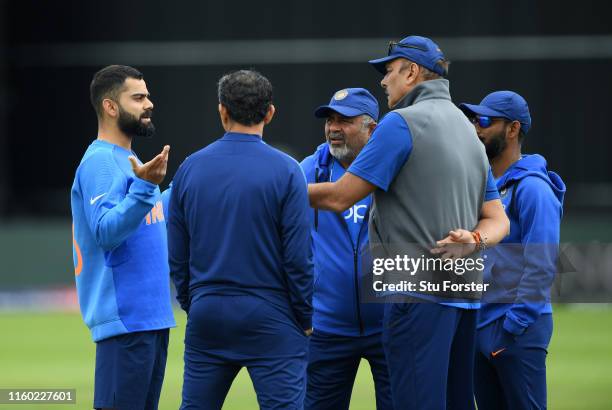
<point x="110" y="144"/>
<point x="236" y="136"/>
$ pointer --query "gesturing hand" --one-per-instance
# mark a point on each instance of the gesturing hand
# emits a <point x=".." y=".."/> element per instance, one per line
<point x="153" y="171"/>
<point x="457" y="244"/>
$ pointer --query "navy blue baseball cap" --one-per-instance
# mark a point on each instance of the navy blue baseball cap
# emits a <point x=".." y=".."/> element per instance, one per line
<point x="505" y="104"/>
<point x="420" y="50"/>
<point x="350" y="102"/>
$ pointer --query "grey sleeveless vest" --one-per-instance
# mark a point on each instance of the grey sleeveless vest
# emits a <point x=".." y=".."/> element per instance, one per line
<point x="442" y="184"/>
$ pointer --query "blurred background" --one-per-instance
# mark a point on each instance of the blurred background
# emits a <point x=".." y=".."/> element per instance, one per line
<point x="557" y="55"/>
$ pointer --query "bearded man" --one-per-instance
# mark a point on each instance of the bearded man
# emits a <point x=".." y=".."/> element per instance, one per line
<point x="120" y="246"/>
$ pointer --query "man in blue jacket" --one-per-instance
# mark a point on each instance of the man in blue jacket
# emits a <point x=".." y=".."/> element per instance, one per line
<point x="240" y="257"/>
<point x="515" y="326"/>
<point x="345" y="329"/>
<point x="119" y="246"/>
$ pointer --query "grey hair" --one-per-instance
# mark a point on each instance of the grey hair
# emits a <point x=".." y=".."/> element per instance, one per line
<point x="427" y="74"/>
<point x="366" y="121"/>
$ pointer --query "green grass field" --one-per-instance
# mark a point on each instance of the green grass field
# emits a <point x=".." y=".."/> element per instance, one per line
<point x="54" y="351"/>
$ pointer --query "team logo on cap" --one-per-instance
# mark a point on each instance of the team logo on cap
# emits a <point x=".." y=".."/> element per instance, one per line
<point x="341" y="95"/>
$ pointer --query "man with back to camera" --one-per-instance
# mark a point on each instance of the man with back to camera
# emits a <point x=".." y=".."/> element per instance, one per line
<point x="240" y="257"/>
<point x="120" y="246"/>
<point x="345" y="329"/>
<point x="515" y="326"/>
<point x="430" y="177"/>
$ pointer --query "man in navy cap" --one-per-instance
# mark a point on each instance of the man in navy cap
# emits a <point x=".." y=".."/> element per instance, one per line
<point x="431" y="179"/>
<point x="515" y="322"/>
<point x="345" y="328"/>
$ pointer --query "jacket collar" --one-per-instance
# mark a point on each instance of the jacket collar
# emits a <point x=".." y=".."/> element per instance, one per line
<point x="235" y="136"/>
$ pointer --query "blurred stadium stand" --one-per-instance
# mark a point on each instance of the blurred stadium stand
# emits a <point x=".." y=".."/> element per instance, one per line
<point x="558" y="58"/>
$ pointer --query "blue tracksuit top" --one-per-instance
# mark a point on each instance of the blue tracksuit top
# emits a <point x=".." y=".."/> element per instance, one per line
<point x="238" y="225"/>
<point x="119" y="246"/>
<point x="521" y="269"/>
<point x="338" y="242"/>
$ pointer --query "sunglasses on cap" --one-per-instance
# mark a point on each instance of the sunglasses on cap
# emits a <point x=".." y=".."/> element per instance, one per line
<point x="398" y="44"/>
<point x="484" y="121"/>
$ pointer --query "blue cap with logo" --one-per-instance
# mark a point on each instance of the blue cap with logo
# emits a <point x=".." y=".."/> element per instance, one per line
<point x="504" y="104"/>
<point x="350" y="102"/>
<point x="420" y="50"/>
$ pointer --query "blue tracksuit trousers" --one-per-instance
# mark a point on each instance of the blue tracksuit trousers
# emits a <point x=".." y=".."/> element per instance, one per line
<point x="226" y="333"/>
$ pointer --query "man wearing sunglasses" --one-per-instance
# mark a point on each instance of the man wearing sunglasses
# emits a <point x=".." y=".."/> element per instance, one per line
<point x="431" y="179"/>
<point x="515" y="321"/>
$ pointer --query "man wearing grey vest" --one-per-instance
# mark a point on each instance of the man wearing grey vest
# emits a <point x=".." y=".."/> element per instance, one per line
<point x="431" y="179"/>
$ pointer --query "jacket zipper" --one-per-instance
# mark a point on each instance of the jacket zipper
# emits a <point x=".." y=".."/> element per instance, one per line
<point x="356" y="265"/>
<point x="356" y="259"/>
<point x="355" y="253"/>
<point x="316" y="210"/>
<point x="357" y="293"/>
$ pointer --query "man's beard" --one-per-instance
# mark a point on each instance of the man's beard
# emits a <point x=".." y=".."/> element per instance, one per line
<point x="342" y="152"/>
<point x="496" y="145"/>
<point x="135" y="127"/>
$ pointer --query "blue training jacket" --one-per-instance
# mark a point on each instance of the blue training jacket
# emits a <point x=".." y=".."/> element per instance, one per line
<point x="338" y="243"/>
<point x="119" y="246"/>
<point x="238" y="225"/>
<point x="524" y="264"/>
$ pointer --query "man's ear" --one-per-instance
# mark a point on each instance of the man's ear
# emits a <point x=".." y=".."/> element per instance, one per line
<point x="514" y="129"/>
<point x="110" y="107"/>
<point x="371" y="128"/>
<point x="412" y="73"/>
<point x="270" y="114"/>
<point x="224" y="115"/>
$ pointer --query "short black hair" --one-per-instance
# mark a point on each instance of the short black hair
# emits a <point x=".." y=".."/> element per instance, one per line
<point x="247" y="96"/>
<point x="108" y="82"/>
